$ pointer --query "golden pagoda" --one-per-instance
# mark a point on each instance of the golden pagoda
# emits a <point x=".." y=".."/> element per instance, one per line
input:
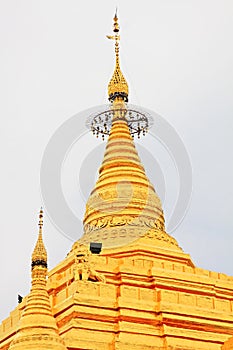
<point x="141" y="291"/>
<point x="37" y="327"/>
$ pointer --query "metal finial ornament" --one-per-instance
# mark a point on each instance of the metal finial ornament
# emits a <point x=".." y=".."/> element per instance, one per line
<point x="116" y="25"/>
<point x="39" y="255"/>
<point x="117" y="86"/>
<point x="138" y="120"/>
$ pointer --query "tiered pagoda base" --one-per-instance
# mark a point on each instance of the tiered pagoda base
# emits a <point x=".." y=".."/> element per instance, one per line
<point x="142" y="296"/>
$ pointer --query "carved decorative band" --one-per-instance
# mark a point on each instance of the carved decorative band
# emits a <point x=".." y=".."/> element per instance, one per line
<point x="125" y="221"/>
<point x="39" y="263"/>
<point x="38" y="338"/>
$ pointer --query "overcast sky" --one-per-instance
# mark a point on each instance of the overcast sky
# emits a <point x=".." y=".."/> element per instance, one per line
<point x="55" y="61"/>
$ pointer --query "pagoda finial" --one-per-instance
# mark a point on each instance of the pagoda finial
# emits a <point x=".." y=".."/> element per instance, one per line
<point x="39" y="255"/>
<point x="117" y="86"/>
<point x="37" y="327"/>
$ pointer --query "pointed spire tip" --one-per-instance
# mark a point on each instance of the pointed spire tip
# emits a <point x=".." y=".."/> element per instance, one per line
<point x="116" y="13"/>
<point x="117" y="86"/>
<point x="39" y="255"/>
<point x="41" y="218"/>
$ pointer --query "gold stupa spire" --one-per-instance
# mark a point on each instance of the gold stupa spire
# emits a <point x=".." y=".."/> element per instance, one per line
<point x="118" y="85"/>
<point x="37" y="326"/>
<point x="123" y="205"/>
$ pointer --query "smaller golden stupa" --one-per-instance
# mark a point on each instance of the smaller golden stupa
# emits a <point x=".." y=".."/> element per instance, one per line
<point x="37" y="328"/>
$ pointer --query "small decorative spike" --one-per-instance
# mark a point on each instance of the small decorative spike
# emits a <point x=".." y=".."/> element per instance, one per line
<point x="39" y="255"/>
<point x="116" y="25"/>
<point x="37" y="328"/>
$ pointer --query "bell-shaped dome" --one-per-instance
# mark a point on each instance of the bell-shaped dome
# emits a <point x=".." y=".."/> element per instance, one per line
<point x="123" y="204"/>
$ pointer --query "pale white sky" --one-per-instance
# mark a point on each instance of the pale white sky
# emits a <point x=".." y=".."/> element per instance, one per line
<point x="55" y="62"/>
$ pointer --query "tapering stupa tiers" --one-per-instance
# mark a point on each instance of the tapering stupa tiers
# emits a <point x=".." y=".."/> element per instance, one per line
<point x="37" y="326"/>
<point x="123" y="203"/>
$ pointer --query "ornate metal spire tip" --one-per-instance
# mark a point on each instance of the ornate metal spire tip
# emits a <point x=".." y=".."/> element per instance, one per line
<point x="39" y="255"/>
<point x="100" y="122"/>
<point x="41" y="214"/>
<point x="117" y="86"/>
